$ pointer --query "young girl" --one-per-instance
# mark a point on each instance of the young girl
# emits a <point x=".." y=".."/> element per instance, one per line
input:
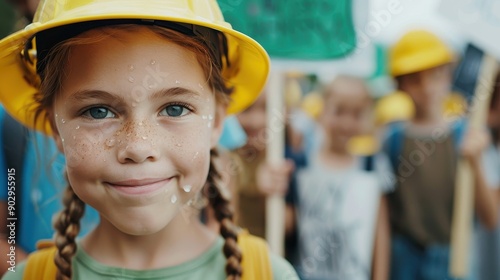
<point x="135" y="93"/>
<point x="341" y="217"/>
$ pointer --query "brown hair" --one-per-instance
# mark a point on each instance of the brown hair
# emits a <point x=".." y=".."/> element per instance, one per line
<point x="67" y="224"/>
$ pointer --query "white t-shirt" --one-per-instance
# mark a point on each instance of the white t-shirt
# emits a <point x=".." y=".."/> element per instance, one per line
<point x="336" y="219"/>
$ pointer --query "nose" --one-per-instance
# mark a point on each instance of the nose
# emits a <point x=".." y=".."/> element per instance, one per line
<point x="137" y="146"/>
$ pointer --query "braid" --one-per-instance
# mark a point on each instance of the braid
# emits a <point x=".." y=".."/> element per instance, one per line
<point x="224" y="214"/>
<point x="67" y="227"/>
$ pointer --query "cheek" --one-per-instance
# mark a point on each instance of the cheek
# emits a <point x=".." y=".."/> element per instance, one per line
<point x="82" y="146"/>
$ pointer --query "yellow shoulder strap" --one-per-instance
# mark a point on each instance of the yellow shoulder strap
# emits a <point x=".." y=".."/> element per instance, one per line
<point x="40" y="264"/>
<point x="255" y="262"/>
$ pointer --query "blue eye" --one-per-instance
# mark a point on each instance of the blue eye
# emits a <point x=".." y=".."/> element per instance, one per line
<point x="174" y="111"/>
<point x="99" y="113"/>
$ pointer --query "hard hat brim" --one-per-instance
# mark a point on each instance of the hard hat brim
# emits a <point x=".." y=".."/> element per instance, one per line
<point x="248" y="76"/>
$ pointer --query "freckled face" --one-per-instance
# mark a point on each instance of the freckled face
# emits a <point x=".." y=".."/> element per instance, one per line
<point x="136" y="121"/>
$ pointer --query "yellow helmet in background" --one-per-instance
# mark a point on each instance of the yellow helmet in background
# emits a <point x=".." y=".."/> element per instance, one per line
<point x="396" y="106"/>
<point x="455" y="104"/>
<point x="312" y="104"/>
<point x="416" y="51"/>
<point x="246" y="71"/>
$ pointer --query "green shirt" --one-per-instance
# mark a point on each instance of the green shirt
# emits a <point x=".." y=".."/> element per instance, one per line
<point x="210" y="265"/>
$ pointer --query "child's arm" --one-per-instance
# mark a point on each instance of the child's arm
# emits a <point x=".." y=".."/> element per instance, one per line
<point x="486" y="202"/>
<point x="382" y="247"/>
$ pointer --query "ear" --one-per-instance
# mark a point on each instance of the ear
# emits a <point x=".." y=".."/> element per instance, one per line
<point x="55" y="132"/>
<point x="218" y="125"/>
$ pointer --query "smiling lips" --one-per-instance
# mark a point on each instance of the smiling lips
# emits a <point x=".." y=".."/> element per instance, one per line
<point x="138" y="187"/>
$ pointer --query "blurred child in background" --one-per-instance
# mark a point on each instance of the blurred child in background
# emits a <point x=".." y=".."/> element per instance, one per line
<point x="487" y="241"/>
<point x="424" y="153"/>
<point x="255" y="178"/>
<point x="339" y="212"/>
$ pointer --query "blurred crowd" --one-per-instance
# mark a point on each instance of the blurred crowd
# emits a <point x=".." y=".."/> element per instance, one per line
<point x="369" y="183"/>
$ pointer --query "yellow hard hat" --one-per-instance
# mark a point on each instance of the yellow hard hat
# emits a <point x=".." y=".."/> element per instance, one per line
<point x="363" y="145"/>
<point x="246" y="71"/>
<point x="396" y="106"/>
<point x="455" y="104"/>
<point x="312" y="104"/>
<point x="416" y="51"/>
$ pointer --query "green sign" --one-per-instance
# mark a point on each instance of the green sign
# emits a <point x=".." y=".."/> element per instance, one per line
<point x="301" y="29"/>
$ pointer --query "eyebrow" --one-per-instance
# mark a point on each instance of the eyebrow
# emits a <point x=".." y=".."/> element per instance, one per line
<point x="86" y="94"/>
<point x="175" y="91"/>
<point x="83" y="95"/>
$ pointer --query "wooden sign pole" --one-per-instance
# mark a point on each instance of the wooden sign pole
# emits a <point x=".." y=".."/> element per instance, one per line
<point x="464" y="185"/>
<point x="275" y="205"/>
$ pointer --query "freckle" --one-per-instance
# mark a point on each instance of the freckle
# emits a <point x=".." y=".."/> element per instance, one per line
<point x="153" y="62"/>
<point x="131" y="79"/>
<point x="110" y="142"/>
<point x="131" y="67"/>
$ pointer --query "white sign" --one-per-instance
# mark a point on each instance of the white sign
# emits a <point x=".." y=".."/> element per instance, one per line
<point x="478" y="19"/>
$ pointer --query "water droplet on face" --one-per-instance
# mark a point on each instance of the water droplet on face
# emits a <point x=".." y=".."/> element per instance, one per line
<point x="177" y="82"/>
<point x="141" y="123"/>
<point x="173" y="199"/>
<point x="201" y="87"/>
<point x="196" y="155"/>
<point x="131" y="79"/>
<point x="204" y="117"/>
<point x="57" y="115"/>
<point x="210" y="117"/>
<point x="152" y="62"/>
<point x="144" y="137"/>
<point x="134" y="104"/>
<point x="131" y="67"/>
<point x="62" y="139"/>
<point x="77" y="127"/>
<point x="187" y="188"/>
<point x="150" y="86"/>
<point x="110" y="142"/>
<point x="74" y="137"/>
<point x="178" y="145"/>
<point x="209" y="124"/>
<point x="63" y="120"/>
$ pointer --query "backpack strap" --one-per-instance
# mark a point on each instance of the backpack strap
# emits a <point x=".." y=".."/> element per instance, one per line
<point x="393" y="144"/>
<point x="458" y="129"/>
<point x="40" y="264"/>
<point x="255" y="262"/>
